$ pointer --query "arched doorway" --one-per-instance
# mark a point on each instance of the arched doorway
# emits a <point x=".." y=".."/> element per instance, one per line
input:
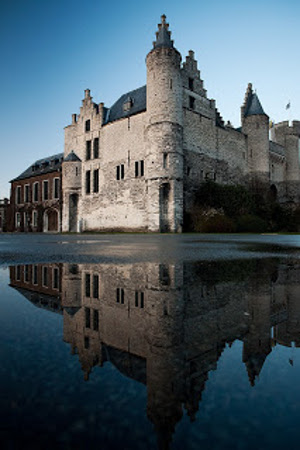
<point x="273" y="193"/>
<point x="50" y="220"/>
<point x="53" y="220"/>
<point x="73" y="212"/>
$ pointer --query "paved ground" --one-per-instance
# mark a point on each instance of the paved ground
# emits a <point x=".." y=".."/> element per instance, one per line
<point x="96" y="248"/>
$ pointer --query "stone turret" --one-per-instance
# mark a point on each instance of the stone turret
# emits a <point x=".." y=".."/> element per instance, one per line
<point x="164" y="134"/>
<point x="71" y="169"/>
<point x="255" y="125"/>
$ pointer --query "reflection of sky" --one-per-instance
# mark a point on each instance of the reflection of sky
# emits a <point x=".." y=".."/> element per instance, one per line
<point x="52" y="51"/>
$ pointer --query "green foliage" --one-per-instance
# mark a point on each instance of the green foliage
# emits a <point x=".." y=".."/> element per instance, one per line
<point x="251" y="223"/>
<point x="226" y="209"/>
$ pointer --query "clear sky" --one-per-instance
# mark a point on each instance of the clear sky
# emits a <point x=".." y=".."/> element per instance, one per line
<point x="52" y="50"/>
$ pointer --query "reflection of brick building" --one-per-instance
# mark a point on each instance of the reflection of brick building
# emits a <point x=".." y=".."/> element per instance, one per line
<point x="4" y="204"/>
<point x="36" y="197"/>
<point x="39" y="283"/>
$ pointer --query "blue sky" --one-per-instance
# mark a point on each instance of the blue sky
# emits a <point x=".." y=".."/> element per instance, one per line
<point x="52" y="51"/>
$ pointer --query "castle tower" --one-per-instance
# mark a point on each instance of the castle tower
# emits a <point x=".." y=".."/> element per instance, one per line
<point x="288" y="137"/>
<point x="255" y="125"/>
<point x="71" y="169"/>
<point x="164" y="134"/>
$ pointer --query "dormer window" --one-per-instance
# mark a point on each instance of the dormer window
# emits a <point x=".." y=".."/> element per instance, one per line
<point x="127" y="105"/>
<point x="87" y="125"/>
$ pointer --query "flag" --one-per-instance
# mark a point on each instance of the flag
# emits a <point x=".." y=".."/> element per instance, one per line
<point x="288" y="105"/>
<point x="271" y="124"/>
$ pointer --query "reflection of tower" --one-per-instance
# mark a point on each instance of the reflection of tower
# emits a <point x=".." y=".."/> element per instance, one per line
<point x="165" y="356"/>
<point x="257" y="343"/>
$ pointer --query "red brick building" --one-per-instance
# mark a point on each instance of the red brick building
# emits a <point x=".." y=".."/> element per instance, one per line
<point x="36" y="197"/>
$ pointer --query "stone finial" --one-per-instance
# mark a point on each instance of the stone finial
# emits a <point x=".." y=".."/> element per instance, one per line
<point x="191" y="54"/>
<point x="87" y="93"/>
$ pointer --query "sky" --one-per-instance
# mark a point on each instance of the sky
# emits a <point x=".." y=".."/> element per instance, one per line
<point x="52" y="50"/>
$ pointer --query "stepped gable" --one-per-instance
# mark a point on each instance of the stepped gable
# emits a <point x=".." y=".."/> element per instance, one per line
<point x="163" y="35"/>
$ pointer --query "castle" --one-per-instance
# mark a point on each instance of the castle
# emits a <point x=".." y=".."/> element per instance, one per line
<point x="137" y="165"/>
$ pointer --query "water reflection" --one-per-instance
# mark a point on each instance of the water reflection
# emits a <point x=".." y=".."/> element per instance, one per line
<point x="166" y="325"/>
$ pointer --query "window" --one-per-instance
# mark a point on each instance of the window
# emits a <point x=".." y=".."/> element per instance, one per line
<point x="96" y="180"/>
<point x="191" y="84"/>
<point x="56" y="188"/>
<point x="88" y="182"/>
<point x="96" y="320"/>
<point x="26" y="193"/>
<point x="191" y="102"/>
<point x="35" y="274"/>
<point x="139" y="168"/>
<point x="26" y="274"/>
<point x="120" y="172"/>
<point x="45" y="276"/>
<point x="18" y="273"/>
<point x="120" y="294"/>
<point x="55" y="280"/>
<point x="164" y="275"/>
<point x="18" y="195"/>
<point x="95" y="286"/>
<point x="88" y="149"/>
<point x="36" y="192"/>
<point x="87" y="125"/>
<point x="87" y="285"/>
<point x="34" y="218"/>
<point x="18" y="220"/>
<point x="45" y="190"/>
<point x="86" y="342"/>
<point x="165" y="160"/>
<point x="139" y="299"/>
<point x="87" y="317"/>
<point x="96" y="147"/>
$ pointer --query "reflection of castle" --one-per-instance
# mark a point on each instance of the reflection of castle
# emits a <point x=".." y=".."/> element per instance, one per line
<point x="167" y="325"/>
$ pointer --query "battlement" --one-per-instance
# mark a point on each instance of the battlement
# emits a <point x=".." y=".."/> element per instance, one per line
<point x="284" y="127"/>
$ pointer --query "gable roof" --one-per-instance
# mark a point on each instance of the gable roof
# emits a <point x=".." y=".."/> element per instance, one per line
<point x="42" y="166"/>
<point x="137" y="97"/>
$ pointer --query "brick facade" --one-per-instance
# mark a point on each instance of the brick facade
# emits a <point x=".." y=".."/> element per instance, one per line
<point x="35" y="203"/>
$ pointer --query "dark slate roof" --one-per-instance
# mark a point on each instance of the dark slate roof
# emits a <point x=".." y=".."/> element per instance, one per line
<point x="138" y="101"/>
<point x="253" y="106"/>
<point x="41" y="166"/>
<point x="72" y="157"/>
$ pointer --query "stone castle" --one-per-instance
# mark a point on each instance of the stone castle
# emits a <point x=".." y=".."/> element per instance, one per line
<point x="136" y="165"/>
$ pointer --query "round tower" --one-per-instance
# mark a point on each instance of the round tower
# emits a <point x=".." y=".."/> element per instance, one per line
<point x="164" y="134"/>
<point x="288" y="137"/>
<point x="71" y="184"/>
<point x="255" y="124"/>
